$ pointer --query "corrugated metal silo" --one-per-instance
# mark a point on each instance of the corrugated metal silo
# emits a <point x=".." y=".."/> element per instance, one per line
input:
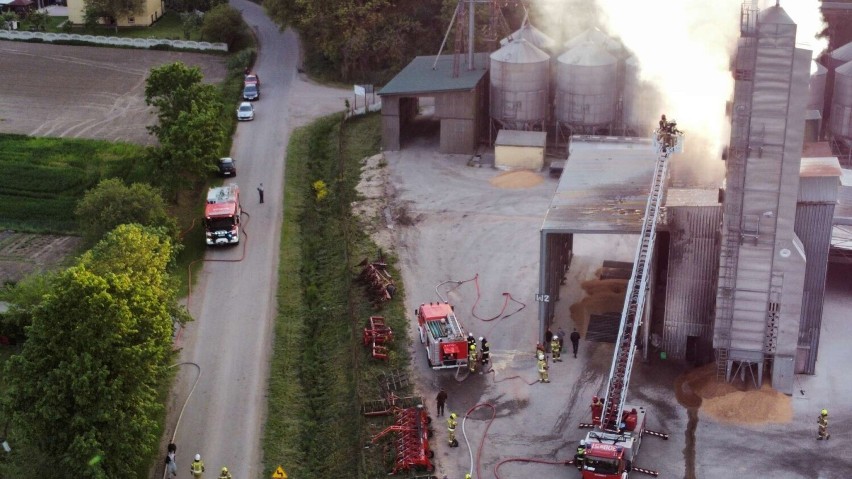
<point x="816" y="87"/>
<point x="840" y="55"/>
<point x="533" y="35"/>
<point x="594" y="35"/>
<point x="642" y="100"/>
<point x="841" y="102"/>
<point x="586" y="86"/>
<point x="520" y="75"/>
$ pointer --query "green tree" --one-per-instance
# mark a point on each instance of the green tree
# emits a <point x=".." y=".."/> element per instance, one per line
<point x="114" y="10"/>
<point x="190" y="21"/>
<point x="6" y="19"/>
<point x="223" y="23"/>
<point x="83" y="390"/>
<point x="189" y="128"/>
<point x="38" y="19"/>
<point x="23" y="299"/>
<point x="112" y="203"/>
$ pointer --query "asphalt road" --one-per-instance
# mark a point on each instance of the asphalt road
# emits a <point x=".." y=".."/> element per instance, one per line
<point x="234" y="302"/>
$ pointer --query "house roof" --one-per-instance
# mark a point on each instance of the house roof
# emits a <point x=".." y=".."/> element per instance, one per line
<point x="20" y="3"/>
<point x="419" y="76"/>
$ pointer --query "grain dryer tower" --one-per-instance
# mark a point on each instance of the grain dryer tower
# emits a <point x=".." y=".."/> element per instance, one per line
<point x="762" y="260"/>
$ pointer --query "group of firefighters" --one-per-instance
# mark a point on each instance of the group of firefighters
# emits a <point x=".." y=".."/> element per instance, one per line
<point x="197" y="468"/>
<point x="475" y="357"/>
<point x="667" y="133"/>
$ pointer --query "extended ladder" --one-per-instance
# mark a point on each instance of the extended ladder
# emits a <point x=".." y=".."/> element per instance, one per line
<point x="634" y="302"/>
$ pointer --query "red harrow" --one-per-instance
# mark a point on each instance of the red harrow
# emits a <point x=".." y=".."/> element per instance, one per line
<point x="411" y="441"/>
<point x="376" y="334"/>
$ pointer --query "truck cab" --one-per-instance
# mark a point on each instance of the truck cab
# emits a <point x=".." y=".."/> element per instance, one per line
<point x="222" y="216"/>
<point x="610" y="455"/>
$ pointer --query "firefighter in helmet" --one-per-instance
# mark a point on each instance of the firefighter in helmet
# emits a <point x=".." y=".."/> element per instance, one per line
<point x="580" y="456"/>
<point x="472" y="357"/>
<point x="225" y="474"/>
<point x="556" y="348"/>
<point x="822" y="422"/>
<point x="197" y="466"/>
<point x="485" y="355"/>
<point x="542" y="371"/>
<point x="451" y="430"/>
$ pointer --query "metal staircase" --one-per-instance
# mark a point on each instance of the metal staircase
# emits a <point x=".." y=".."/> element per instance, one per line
<point x="634" y="302"/>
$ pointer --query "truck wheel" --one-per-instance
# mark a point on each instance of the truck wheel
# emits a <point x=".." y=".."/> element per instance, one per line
<point x="428" y="361"/>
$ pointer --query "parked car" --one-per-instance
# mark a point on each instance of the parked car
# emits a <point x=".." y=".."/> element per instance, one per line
<point x="227" y="167"/>
<point x="251" y="79"/>
<point x="251" y="92"/>
<point x="245" y="112"/>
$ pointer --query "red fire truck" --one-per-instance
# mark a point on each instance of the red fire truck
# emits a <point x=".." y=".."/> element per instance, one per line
<point x="440" y="331"/>
<point x="222" y="215"/>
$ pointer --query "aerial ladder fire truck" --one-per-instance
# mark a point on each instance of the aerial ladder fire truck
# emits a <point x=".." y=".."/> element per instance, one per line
<point x="612" y="446"/>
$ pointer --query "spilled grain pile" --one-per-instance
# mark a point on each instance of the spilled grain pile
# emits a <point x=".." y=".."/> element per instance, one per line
<point x="602" y="296"/>
<point x="732" y="402"/>
<point x="516" y="179"/>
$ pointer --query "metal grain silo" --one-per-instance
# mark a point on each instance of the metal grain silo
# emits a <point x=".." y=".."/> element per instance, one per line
<point x="594" y="35"/>
<point x="816" y="87"/>
<point x="533" y="35"/>
<point x="841" y="102"/>
<point x="586" y="87"/>
<point x="520" y="75"/>
<point x="840" y="56"/>
<point x="642" y="100"/>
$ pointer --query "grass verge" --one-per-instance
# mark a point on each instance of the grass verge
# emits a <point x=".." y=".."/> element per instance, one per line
<point x="320" y="372"/>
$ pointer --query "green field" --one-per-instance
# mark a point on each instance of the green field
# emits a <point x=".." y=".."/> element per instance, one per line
<point x="46" y="176"/>
<point x="320" y="372"/>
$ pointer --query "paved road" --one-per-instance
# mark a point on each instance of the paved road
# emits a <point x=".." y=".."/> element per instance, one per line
<point x="234" y="302"/>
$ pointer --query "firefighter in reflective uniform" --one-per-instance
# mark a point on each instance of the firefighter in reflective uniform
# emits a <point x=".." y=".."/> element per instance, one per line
<point x="822" y="421"/>
<point x="580" y="457"/>
<point x="225" y="474"/>
<point x="472" y="357"/>
<point x="451" y="430"/>
<point x="555" y="349"/>
<point x="197" y="466"/>
<point x="542" y="371"/>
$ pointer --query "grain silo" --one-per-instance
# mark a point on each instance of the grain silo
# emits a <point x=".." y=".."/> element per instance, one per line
<point x="586" y="88"/>
<point x="520" y="76"/>
<point x="642" y="101"/>
<point x="533" y="35"/>
<point x="816" y="87"/>
<point x="832" y="61"/>
<point x="841" y="103"/>
<point x="594" y="35"/>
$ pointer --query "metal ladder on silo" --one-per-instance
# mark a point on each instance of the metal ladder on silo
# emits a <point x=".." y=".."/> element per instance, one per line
<point x="634" y="301"/>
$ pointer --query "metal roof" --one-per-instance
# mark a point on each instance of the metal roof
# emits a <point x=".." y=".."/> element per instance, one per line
<point x="521" y="138"/>
<point x="604" y="186"/>
<point x="775" y="15"/>
<point x="843" y="53"/>
<point x="532" y="35"/>
<point x="587" y="54"/>
<point x="418" y="77"/>
<point x="520" y="51"/>
<point x="816" y="166"/>
<point x="843" y="210"/>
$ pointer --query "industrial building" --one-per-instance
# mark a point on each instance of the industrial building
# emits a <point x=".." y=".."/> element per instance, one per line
<point x="739" y="269"/>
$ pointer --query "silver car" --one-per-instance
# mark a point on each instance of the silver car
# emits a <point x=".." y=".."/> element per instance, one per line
<point x="245" y="112"/>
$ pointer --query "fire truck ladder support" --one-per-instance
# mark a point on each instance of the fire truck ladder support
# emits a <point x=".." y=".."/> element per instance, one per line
<point x="634" y="302"/>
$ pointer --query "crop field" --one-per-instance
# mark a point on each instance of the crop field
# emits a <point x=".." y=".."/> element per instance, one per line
<point x="46" y="176"/>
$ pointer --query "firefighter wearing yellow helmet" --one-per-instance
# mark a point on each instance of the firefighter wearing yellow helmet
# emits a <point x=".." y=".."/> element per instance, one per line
<point x="225" y="474"/>
<point x="451" y="430"/>
<point x="822" y="422"/>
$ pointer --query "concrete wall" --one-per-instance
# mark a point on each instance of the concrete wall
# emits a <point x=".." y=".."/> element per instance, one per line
<point x="519" y="157"/>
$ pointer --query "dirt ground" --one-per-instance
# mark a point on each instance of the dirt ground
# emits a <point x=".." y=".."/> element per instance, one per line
<point x="84" y="92"/>
<point x="22" y="254"/>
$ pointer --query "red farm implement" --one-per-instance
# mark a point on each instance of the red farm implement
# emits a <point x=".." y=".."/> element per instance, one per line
<point x="376" y="335"/>
<point x="411" y="439"/>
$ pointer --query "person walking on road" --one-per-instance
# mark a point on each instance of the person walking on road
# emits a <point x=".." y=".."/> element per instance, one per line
<point x="575" y="341"/>
<point x="440" y="400"/>
<point x="822" y="421"/>
<point x="197" y="466"/>
<point x="260" y="192"/>
<point x="171" y="465"/>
